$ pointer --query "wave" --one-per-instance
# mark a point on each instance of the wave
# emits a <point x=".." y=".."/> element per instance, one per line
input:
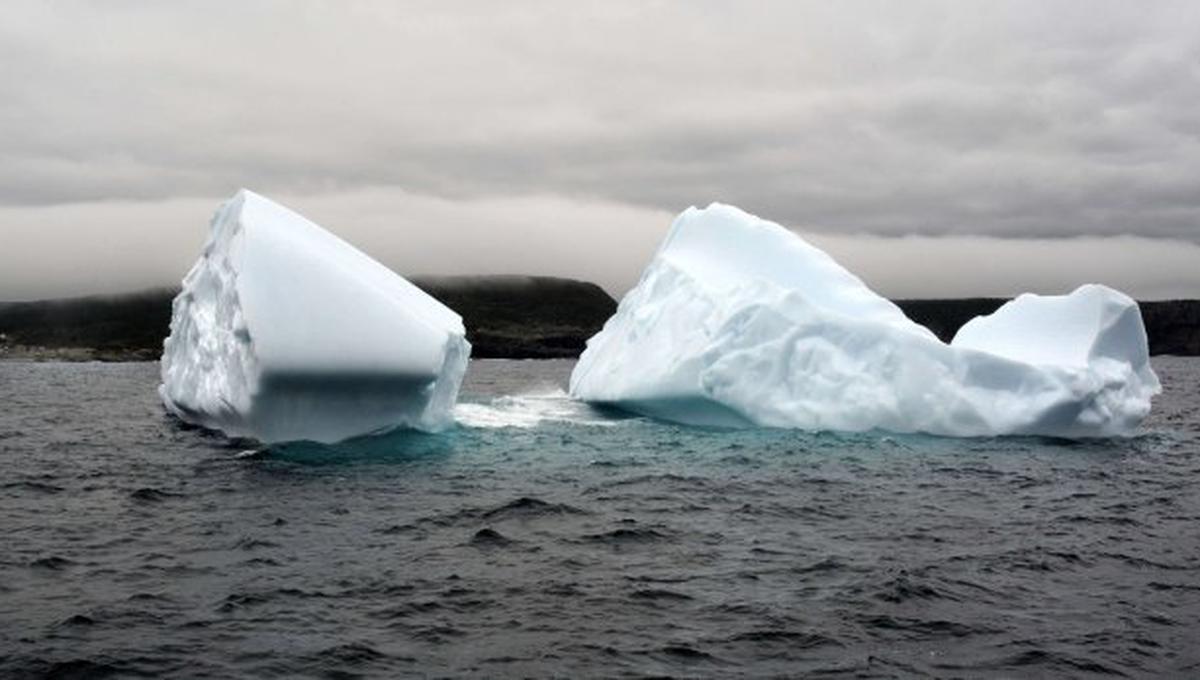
<point x="532" y="409"/>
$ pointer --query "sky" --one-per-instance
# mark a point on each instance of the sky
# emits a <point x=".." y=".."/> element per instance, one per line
<point x="938" y="149"/>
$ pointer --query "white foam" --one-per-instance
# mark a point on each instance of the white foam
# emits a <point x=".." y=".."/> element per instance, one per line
<point x="529" y="411"/>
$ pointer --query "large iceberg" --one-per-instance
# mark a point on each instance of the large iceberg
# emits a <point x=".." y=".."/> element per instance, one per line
<point x="285" y="332"/>
<point x="738" y="322"/>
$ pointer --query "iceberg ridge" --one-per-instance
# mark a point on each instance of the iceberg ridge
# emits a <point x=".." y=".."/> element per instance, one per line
<point x="737" y="321"/>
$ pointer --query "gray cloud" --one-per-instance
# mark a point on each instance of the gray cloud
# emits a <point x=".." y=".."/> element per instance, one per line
<point x="113" y="246"/>
<point x="1023" y="120"/>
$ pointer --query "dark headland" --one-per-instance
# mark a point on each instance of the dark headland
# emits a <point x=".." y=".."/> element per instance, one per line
<point x="529" y="317"/>
<point x="511" y="317"/>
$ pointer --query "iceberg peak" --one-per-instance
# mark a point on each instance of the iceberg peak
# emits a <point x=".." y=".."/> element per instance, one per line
<point x="283" y="331"/>
<point x="739" y="321"/>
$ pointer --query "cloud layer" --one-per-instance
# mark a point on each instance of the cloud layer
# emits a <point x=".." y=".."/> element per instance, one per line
<point x="1019" y="120"/>
<point x="114" y="246"/>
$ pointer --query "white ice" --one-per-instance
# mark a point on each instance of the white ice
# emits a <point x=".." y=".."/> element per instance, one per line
<point x="285" y="332"/>
<point x="739" y="322"/>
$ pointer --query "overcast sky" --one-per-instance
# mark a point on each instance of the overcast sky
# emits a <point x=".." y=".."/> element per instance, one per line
<point x="936" y="148"/>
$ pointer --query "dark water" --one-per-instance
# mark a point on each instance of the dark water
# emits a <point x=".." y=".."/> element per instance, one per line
<point x="548" y="540"/>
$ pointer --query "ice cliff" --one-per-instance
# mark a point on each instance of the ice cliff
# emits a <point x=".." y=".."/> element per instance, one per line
<point x="737" y="321"/>
<point x="285" y="332"/>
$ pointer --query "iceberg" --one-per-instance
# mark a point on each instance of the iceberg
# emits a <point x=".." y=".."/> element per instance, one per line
<point x="737" y="321"/>
<point x="283" y="332"/>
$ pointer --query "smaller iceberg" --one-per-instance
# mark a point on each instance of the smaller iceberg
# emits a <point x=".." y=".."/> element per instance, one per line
<point x="739" y="322"/>
<point x="285" y="332"/>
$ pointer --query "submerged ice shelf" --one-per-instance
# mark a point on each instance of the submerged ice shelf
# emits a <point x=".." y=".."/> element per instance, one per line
<point x="737" y="321"/>
<point x="285" y="332"/>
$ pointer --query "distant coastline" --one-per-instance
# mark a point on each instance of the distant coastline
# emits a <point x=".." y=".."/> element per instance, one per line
<point x="515" y="317"/>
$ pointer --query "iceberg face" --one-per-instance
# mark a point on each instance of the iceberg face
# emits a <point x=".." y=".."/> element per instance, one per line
<point x="285" y="332"/>
<point x="740" y="322"/>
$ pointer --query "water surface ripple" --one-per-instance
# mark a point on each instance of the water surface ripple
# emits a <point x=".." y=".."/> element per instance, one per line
<point x="544" y="539"/>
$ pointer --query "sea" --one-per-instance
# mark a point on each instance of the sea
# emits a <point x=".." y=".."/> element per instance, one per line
<point x="542" y="538"/>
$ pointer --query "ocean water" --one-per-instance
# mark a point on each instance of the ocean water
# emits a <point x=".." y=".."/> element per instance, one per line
<point x="542" y="538"/>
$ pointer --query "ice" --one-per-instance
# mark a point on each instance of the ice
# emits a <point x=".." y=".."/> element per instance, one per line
<point x="285" y="332"/>
<point x="740" y="322"/>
